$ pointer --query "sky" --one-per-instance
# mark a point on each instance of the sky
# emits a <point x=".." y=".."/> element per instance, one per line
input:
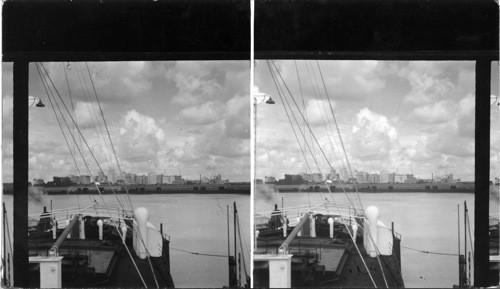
<point x="404" y="117"/>
<point x="187" y="118"/>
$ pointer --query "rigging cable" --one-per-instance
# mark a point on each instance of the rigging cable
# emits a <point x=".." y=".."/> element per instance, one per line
<point x="73" y="109"/>
<point x="283" y="99"/>
<point x="78" y="129"/>
<point x="109" y="136"/>
<point x="308" y="125"/>
<point x="429" y="252"/>
<point x="241" y="246"/>
<point x="199" y="254"/>
<point x="120" y="171"/>
<point x="47" y="89"/>
<point x="98" y="190"/>
<point x="338" y="131"/>
<point x="350" y="234"/>
<point x="97" y="123"/>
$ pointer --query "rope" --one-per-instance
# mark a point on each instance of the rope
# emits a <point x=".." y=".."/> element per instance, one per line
<point x="429" y="252"/>
<point x="199" y="254"/>
<point x="470" y="235"/>
<point x="79" y="131"/>
<point x="324" y="155"/>
<point x="241" y="246"/>
<point x="98" y="190"/>
<point x="109" y="136"/>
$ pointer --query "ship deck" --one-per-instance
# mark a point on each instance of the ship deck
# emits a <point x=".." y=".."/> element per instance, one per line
<point x="325" y="262"/>
<point x="110" y="262"/>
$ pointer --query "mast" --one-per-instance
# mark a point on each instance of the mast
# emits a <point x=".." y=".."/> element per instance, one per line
<point x="21" y="147"/>
<point x="235" y="212"/>
<point x="228" y="246"/>
<point x="465" y="238"/>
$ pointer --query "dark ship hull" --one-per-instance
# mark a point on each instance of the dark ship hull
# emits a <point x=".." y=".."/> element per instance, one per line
<point x="95" y="262"/>
<point x="322" y="261"/>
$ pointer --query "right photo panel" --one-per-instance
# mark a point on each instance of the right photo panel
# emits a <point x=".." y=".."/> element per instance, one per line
<point x="365" y="173"/>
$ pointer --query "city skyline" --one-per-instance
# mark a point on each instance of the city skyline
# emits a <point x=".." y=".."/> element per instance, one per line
<point x="407" y="116"/>
<point x="179" y="116"/>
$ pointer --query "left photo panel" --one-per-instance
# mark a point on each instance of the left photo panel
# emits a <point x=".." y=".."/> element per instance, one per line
<point x="138" y="173"/>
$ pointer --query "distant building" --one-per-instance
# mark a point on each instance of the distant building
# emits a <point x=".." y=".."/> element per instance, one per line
<point x="112" y="176"/>
<point x="384" y="177"/>
<point x="361" y="177"/>
<point x="270" y="180"/>
<point x="447" y="179"/>
<point x="291" y="180"/>
<point x="151" y="178"/>
<point x="61" y="182"/>
<point x="344" y="174"/>
<point x="85" y="180"/>
<point x="159" y="179"/>
<point x="400" y="178"/>
<point x="38" y="182"/>
<point x="142" y="180"/>
<point x="392" y="177"/>
<point x="410" y="179"/>
<point x="374" y="178"/>
<point x="101" y="177"/>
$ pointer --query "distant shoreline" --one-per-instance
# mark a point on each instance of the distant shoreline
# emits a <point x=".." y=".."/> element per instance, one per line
<point x="373" y="188"/>
<point x="203" y="189"/>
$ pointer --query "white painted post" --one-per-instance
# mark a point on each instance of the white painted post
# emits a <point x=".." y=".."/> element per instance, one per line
<point x="255" y="242"/>
<point x="284" y="220"/>
<point x="330" y="222"/>
<point x="50" y="271"/>
<point x="313" y="226"/>
<point x="123" y="227"/>
<point x="280" y="269"/>
<point x="100" y="225"/>
<point x="354" y="231"/>
<point x="82" y="228"/>
<point x="54" y="229"/>
<point x="141" y="216"/>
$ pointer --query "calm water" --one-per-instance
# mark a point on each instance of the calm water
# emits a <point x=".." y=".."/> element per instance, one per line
<point x="426" y="221"/>
<point x="196" y="223"/>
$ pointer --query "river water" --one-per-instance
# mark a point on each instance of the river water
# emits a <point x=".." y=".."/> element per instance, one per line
<point x="197" y="223"/>
<point x="194" y="222"/>
<point x="426" y="221"/>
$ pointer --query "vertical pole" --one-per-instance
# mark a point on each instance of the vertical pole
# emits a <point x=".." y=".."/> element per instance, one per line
<point x="228" y="246"/>
<point x="465" y="237"/>
<point x="468" y="281"/>
<point x="234" y="229"/>
<point x="21" y="146"/>
<point x="239" y="269"/>
<point x="4" y="212"/>
<point x="482" y="173"/>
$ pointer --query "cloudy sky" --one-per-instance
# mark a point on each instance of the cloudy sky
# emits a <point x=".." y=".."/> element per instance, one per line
<point x="164" y="117"/>
<point x="404" y="117"/>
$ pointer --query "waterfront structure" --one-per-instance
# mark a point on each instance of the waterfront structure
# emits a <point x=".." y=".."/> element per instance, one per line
<point x="151" y="178"/>
<point x="112" y="176"/>
<point x="269" y="180"/>
<point x="344" y="174"/>
<point x="159" y="179"/>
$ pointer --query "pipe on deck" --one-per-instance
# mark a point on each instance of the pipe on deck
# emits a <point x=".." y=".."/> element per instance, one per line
<point x="283" y="249"/>
<point x="54" y="251"/>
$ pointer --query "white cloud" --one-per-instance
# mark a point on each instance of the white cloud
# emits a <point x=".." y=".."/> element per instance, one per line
<point x="237" y="118"/>
<point x="372" y="137"/>
<point x="438" y="112"/>
<point x="86" y="114"/>
<point x="206" y="113"/>
<point x="140" y="138"/>
<point x="427" y="81"/>
<point x="466" y="116"/>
